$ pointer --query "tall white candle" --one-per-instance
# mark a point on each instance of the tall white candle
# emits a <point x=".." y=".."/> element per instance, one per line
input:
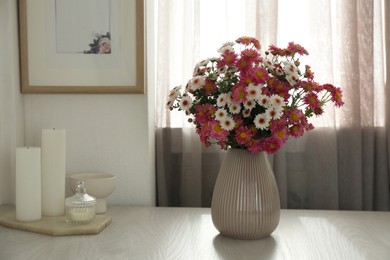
<point x="53" y="172"/>
<point x="28" y="184"/>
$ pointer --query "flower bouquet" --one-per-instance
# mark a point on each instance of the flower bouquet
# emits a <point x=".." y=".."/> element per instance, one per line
<point x="243" y="99"/>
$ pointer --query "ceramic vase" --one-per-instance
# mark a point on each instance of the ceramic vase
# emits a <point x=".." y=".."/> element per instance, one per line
<point x="245" y="202"/>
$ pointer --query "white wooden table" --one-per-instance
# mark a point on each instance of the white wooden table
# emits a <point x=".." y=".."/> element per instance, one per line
<point x="188" y="233"/>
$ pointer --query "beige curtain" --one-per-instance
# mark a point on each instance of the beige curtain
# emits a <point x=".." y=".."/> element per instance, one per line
<point x="344" y="162"/>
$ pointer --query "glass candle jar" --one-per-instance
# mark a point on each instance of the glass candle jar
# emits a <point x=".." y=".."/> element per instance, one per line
<point x="81" y="207"/>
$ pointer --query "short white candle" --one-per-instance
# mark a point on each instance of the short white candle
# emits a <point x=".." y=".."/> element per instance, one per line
<point x="53" y="172"/>
<point x="28" y="184"/>
<point x="80" y="215"/>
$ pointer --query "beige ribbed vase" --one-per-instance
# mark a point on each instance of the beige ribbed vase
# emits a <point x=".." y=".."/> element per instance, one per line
<point x="245" y="203"/>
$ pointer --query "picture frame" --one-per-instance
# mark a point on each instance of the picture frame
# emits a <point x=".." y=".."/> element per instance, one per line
<point x="53" y="58"/>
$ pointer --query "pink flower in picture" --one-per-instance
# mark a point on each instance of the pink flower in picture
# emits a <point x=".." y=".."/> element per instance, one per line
<point x="104" y="45"/>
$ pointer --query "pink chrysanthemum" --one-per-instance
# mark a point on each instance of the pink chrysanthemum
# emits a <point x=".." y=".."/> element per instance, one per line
<point x="296" y="130"/>
<point x="260" y="75"/>
<point x="255" y="146"/>
<point x="296" y="48"/>
<point x="204" y="133"/>
<point x="337" y="97"/>
<point x="278" y="124"/>
<point x="204" y="113"/>
<point x="294" y="116"/>
<point x="309" y="73"/>
<point x="217" y="132"/>
<point x="243" y="64"/>
<point x="279" y="87"/>
<point x="209" y="87"/>
<point x="239" y="93"/>
<point x="243" y="135"/>
<point x="238" y="121"/>
<point x="282" y="134"/>
<point x="272" y="144"/>
<point x="336" y="93"/>
<point x="311" y="99"/>
<point x="228" y="59"/>
<point x="247" y="78"/>
<point x="274" y="50"/>
<point x="251" y="55"/>
<point x="249" y="40"/>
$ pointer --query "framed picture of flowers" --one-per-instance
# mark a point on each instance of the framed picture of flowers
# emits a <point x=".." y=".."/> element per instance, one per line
<point x="89" y="46"/>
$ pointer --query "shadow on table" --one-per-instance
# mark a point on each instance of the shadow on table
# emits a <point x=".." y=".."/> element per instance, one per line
<point x="228" y="248"/>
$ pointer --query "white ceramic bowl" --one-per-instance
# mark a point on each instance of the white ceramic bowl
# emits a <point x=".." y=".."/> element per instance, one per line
<point x="99" y="185"/>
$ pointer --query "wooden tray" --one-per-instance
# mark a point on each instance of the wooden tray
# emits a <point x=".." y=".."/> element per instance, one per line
<point x="55" y="226"/>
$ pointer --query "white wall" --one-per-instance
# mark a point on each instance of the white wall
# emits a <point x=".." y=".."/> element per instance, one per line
<point x="105" y="133"/>
<point x="11" y="101"/>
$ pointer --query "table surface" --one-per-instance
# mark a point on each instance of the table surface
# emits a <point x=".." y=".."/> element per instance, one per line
<point x="188" y="233"/>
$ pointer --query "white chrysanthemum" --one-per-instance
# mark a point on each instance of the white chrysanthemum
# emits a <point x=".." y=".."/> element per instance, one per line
<point x="277" y="101"/>
<point x="174" y="93"/>
<point x="254" y="91"/>
<point x="169" y="104"/>
<point x="291" y="70"/>
<point x="246" y="113"/>
<point x="203" y="62"/>
<point x="214" y="59"/>
<point x="228" y="46"/>
<point x="273" y="113"/>
<point x="262" y="121"/>
<point x="249" y="104"/>
<point x="228" y="123"/>
<point x="220" y="114"/>
<point x="222" y="100"/>
<point x="185" y="103"/>
<point x="268" y="63"/>
<point x="229" y="98"/>
<point x="279" y="71"/>
<point x="196" y="83"/>
<point x="292" y="80"/>
<point x="263" y="101"/>
<point x="234" y="108"/>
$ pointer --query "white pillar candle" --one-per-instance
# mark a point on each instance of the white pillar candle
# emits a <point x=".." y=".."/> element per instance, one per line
<point x="53" y="172"/>
<point x="28" y="184"/>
